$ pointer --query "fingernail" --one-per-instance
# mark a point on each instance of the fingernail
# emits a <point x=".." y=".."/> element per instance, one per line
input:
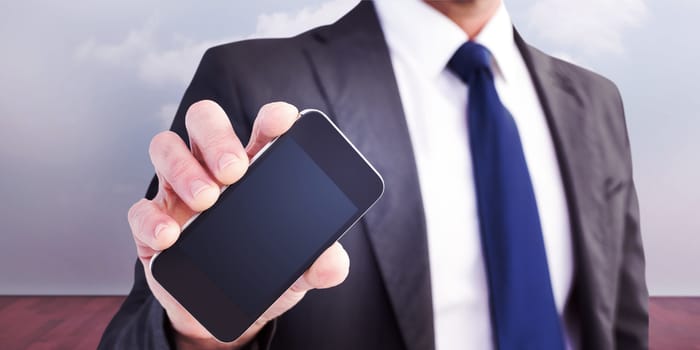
<point x="160" y="229"/>
<point x="198" y="186"/>
<point x="226" y="160"/>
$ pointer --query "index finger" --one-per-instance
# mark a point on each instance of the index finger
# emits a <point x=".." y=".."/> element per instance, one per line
<point x="273" y="120"/>
<point x="214" y="141"/>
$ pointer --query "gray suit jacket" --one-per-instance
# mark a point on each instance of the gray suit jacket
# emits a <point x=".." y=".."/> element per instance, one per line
<point x="385" y="303"/>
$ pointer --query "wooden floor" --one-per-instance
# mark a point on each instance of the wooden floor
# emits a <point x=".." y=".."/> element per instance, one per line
<point x="39" y="323"/>
<point x="674" y="323"/>
<point x="76" y="323"/>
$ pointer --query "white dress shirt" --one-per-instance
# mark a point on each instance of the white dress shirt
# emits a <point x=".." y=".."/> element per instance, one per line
<point x="421" y="41"/>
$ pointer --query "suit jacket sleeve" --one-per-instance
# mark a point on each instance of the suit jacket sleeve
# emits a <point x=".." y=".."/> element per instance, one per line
<point x="141" y="323"/>
<point x="631" y="316"/>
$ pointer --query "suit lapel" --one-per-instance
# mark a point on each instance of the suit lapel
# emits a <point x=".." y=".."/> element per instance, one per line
<point x="353" y="68"/>
<point x="574" y="138"/>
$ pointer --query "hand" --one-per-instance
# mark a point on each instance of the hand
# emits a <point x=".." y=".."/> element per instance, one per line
<point x="190" y="182"/>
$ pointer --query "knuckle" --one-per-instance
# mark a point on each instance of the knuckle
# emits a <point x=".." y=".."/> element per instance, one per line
<point x="137" y="216"/>
<point x="135" y="210"/>
<point x="217" y="142"/>
<point x="167" y="160"/>
<point x="178" y="168"/>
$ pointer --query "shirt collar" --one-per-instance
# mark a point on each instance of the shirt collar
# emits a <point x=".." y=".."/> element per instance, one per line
<point x="497" y="35"/>
<point x="426" y="39"/>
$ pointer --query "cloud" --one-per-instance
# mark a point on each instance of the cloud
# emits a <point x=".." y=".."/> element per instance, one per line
<point x="155" y="59"/>
<point x="174" y="64"/>
<point x="280" y="24"/>
<point x="161" y="59"/>
<point x="594" y="27"/>
<point x="168" y="61"/>
<point x="133" y="44"/>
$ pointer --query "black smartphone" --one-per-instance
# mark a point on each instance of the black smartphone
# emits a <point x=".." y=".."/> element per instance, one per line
<point x="301" y="193"/>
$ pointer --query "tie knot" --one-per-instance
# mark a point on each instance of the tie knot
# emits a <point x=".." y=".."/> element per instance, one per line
<point x="470" y="58"/>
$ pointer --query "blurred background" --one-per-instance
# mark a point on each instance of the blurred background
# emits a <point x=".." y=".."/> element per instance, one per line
<point x="85" y="84"/>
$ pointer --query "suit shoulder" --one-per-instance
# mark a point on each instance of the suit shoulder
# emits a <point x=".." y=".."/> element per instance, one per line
<point x="248" y="46"/>
<point x="595" y="84"/>
<point x="257" y="71"/>
<point x="592" y="88"/>
<point x="602" y="101"/>
<point x="260" y="50"/>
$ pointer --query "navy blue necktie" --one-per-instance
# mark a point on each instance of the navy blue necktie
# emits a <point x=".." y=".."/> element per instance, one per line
<point x="523" y="313"/>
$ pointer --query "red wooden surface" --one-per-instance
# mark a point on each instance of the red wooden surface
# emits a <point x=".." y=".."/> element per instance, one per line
<point x="76" y="323"/>
<point x="674" y="323"/>
<point x="54" y="322"/>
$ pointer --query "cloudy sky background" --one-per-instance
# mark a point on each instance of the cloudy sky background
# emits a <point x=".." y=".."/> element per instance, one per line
<point x="85" y="84"/>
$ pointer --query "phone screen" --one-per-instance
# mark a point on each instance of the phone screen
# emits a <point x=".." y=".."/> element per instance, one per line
<point x="262" y="232"/>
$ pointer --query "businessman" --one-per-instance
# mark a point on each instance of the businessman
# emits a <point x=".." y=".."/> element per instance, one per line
<point x="509" y="221"/>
